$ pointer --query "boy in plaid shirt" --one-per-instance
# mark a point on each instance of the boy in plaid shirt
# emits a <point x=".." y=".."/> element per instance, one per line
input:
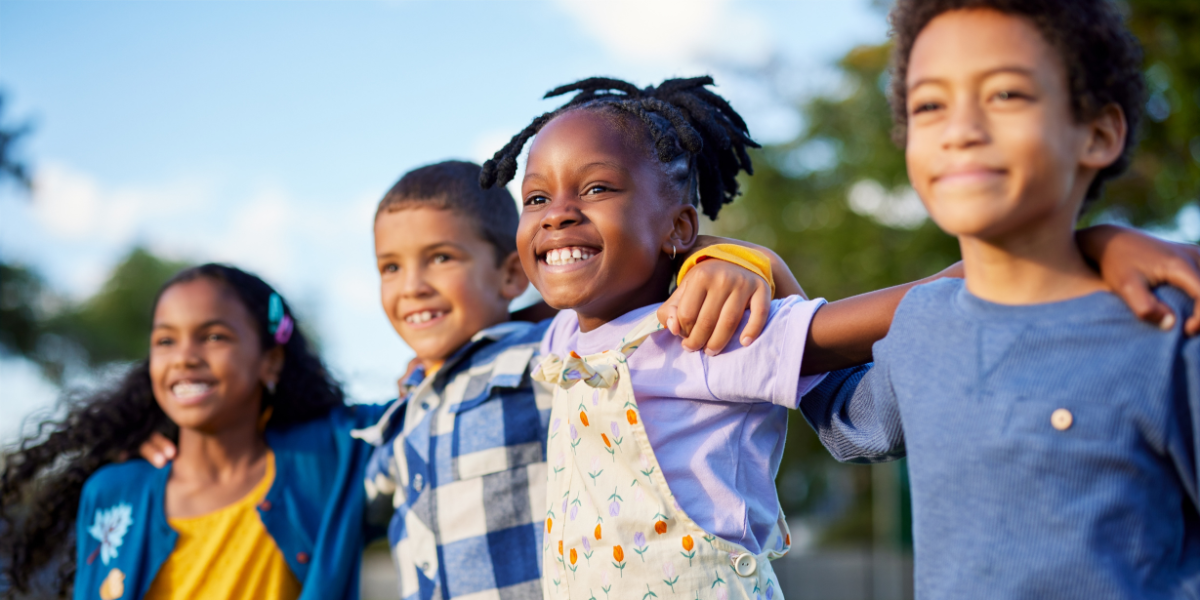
<point x="460" y="466"/>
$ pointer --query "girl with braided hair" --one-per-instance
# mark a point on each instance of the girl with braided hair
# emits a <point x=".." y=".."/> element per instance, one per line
<point x="662" y="461"/>
<point x="264" y="497"/>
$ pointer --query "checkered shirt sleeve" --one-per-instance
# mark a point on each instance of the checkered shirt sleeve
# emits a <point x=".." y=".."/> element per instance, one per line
<point x="464" y="474"/>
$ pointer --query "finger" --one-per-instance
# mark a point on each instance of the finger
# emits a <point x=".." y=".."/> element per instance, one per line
<point x="1184" y="275"/>
<point x="151" y="453"/>
<point x="760" y="309"/>
<point x="666" y="316"/>
<point x="690" y="301"/>
<point x="706" y="320"/>
<point x="1144" y="304"/>
<point x="728" y="321"/>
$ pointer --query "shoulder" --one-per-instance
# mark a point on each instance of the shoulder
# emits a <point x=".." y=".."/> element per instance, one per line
<point x="941" y="291"/>
<point x="117" y="480"/>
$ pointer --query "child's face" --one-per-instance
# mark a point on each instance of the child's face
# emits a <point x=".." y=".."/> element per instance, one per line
<point x="993" y="146"/>
<point x="207" y="366"/>
<point x="439" y="282"/>
<point x="591" y="191"/>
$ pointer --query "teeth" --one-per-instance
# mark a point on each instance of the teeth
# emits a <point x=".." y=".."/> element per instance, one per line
<point x="188" y="389"/>
<point x="566" y="256"/>
<point x="423" y="316"/>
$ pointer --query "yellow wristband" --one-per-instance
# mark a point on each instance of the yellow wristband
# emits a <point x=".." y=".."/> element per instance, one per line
<point x="752" y="260"/>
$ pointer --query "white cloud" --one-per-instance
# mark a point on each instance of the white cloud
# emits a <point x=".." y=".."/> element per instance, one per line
<point x="675" y="31"/>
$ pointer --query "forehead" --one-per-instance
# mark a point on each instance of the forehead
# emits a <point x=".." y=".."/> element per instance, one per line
<point x="415" y="227"/>
<point x="975" y="41"/>
<point x="198" y="301"/>
<point x="585" y="136"/>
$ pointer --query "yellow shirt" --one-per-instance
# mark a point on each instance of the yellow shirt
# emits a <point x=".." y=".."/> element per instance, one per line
<point x="226" y="554"/>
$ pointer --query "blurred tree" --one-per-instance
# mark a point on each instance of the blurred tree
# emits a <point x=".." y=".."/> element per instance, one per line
<point x="836" y="205"/>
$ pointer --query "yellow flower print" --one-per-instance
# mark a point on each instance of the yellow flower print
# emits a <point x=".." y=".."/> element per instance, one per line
<point x="549" y="524"/>
<point x="618" y="553"/>
<point x="574" y="556"/>
<point x="688" y="544"/>
<point x="631" y="416"/>
<point x="597" y="531"/>
<point x="560" y="547"/>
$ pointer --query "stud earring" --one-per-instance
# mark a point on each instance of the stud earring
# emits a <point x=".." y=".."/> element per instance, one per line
<point x="271" y="388"/>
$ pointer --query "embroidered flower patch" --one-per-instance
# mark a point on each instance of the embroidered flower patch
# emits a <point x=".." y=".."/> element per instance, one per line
<point x="109" y="529"/>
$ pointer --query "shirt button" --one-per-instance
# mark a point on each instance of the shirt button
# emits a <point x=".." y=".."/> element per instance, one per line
<point x="424" y="406"/>
<point x="265" y="505"/>
<point x="1061" y="419"/>
<point x="418" y="482"/>
<point x="425" y="567"/>
<point x="744" y="564"/>
<point x="302" y="558"/>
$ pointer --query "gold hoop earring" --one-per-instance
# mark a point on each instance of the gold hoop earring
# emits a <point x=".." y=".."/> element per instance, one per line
<point x="672" y="251"/>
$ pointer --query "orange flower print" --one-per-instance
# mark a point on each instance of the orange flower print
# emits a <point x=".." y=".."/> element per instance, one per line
<point x="660" y="527"/>
<point x="631" y="416"/>
<point x="597" y="531"/>
<point x="560" y="547"/>
<point x="583" y="418"/>
<point x="574" y="556"/>
<point x="618" y="553"/>
<point x="688" y="551"/>
<point x="549" y="524"/>
<point x="787" y="539"/>
<point x="606" y="442"/>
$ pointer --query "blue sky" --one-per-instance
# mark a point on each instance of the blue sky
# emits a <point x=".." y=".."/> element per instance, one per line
<point x="262" y="133"/>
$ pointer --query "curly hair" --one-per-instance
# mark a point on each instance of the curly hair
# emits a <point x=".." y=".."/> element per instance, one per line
<point x="1103" y="59"/>
<point x="697" y="136"/>
<point x="43" y="477"/>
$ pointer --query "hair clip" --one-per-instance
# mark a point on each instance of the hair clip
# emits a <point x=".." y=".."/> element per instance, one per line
<point x="280" y="323"/>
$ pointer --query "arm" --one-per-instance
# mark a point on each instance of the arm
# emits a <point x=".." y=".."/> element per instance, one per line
<point x="855" y="415"/>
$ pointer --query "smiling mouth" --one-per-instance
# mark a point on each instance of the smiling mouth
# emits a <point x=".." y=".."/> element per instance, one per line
<point x="568" y="256"/>
<point x="190" y="390"/>
<point x="424" y="316"/>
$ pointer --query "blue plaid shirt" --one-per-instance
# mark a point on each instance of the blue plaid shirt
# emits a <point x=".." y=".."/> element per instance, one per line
<point x="460" y="466"/>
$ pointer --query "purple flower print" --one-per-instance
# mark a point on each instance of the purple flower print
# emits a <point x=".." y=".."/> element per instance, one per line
<point x="574" y="512"/>
<point x="555" y="424"/>
<point x="770" y="591"/>
<point x="595" y="398"/>
<point x="587" y="544"/>
<point x="574" y="433"/>
<point x="639" y="542"/>
<point x="614" y="509"/>
<point x="616" y="430"/>
<point x="564" y="505"/>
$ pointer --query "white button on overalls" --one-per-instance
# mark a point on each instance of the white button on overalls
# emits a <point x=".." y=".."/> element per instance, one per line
<point x="745" y="564"/>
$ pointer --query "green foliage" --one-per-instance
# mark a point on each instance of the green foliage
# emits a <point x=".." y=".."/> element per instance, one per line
<point x="114" y="324"/>
<point x="22" y="296"/>
<point x="836" y="205"/>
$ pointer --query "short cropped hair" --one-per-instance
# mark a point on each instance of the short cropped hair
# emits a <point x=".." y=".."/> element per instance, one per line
<point x="453" y="185"/>
<point x="1102" y="58"/>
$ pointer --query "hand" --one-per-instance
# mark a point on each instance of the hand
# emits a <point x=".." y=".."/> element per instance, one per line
<point x="157" y="449"/>
<point x="1134" y="263"/>
<point x="707" y="308"/>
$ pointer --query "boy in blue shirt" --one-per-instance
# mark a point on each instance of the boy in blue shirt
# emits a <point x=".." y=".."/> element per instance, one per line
<point x="1052" y="436"/>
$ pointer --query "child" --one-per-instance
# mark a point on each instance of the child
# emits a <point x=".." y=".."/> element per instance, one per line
<point x="257" y="504"/>
<point x="662" y="462"/>
<point x="460" y="464"/>
<point x="1052" y="437"/>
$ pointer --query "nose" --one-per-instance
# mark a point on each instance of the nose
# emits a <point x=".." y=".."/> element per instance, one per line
<point x="189" y="354"/>
<point x="562" y="212"/>
<point x="415" y="285"/>
<point x="966" y="125"/>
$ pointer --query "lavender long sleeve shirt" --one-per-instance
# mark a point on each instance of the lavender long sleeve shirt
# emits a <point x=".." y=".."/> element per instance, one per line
<point x="717" y="424"/>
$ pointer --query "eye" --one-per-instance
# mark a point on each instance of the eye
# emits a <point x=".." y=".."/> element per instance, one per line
<point x="440" y="258"/>
<point x="596" y="189"/>
<point x="162" y="342"/>
<point x="925" y="107"/>
<point x="1009" y="95"/>
<point x="216" y="337"/>
<point x="389" y="268"/>
<point x="536" y="200"/>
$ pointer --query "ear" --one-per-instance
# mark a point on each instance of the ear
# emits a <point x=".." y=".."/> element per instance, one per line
<point x="513" y="280"/>
<point x="271" y="366"/>
<point x="685" y="227"/>
<point x="1106" y="139"/>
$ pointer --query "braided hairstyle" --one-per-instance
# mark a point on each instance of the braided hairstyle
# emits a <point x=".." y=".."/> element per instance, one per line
<point x="697" y="136"/>
<point x="43" y="478"/>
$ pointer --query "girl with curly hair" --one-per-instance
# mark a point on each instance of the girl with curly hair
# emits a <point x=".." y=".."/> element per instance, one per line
<point x="261" y="500"/>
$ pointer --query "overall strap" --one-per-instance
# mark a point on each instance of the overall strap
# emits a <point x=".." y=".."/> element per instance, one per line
<point x="596" y="370"/>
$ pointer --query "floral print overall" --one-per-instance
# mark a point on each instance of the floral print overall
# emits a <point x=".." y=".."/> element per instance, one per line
<point x="613" y="528"/>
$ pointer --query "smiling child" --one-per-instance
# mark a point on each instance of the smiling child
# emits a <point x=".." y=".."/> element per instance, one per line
<point x="1052" y="437"/>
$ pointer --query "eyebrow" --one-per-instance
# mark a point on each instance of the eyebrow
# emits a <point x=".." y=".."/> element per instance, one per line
<point x="988" y="73"/>
<point x="209" y="323"/>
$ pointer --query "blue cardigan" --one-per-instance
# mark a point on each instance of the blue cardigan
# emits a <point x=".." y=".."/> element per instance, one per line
<point x="314" y="511"/>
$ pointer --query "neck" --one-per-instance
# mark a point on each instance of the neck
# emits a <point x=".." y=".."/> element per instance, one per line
<point x="1040" y="263"/>
<point x="222" y="455"/>
<point x="602" y="310"/>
